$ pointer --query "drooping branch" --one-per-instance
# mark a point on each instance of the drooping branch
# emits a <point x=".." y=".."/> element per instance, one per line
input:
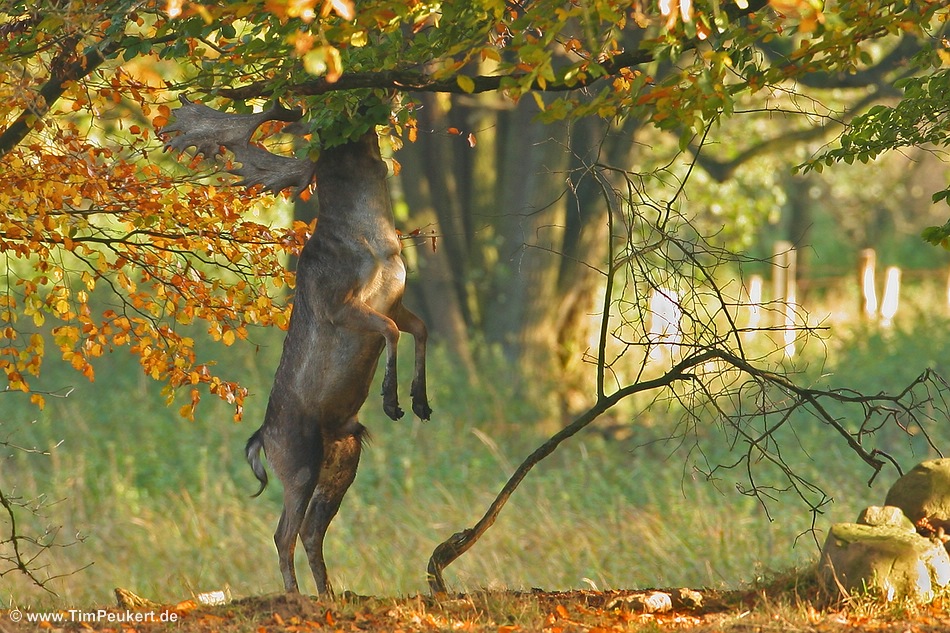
<point x="709" y="373"/>
<point x="802" y="398"/>
<point x="461" y="542"/>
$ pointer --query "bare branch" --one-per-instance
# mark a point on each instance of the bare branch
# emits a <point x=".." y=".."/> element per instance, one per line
<point x="756" y="408"/>
<point x="20" y="552"/>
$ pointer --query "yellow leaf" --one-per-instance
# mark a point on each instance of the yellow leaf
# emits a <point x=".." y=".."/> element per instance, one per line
<point x="490" y="52"/>
<point x="466" y="83"/>
<point x="359" y="39"/>
<point x="334" y="64"/>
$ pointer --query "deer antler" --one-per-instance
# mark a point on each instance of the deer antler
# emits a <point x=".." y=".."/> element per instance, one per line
<point x="208" y="130"/>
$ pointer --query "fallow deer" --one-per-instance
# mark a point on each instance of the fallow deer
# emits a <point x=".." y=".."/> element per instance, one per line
<point x="347" y="308"/>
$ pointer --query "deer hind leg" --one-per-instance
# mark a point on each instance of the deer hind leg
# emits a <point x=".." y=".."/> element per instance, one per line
<point x="341" y="458"/>
<point x="295" y="508"/>
<point x="298" y="470"/>
<point x="407" y="321"/>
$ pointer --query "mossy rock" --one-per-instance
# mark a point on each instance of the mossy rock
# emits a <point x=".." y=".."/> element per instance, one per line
<point x="886" y="559"/>
<point x="886" y="516"/>
<point x="924" y="492"/>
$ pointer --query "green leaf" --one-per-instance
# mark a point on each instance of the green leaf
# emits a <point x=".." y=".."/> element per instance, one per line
<point x="937" y="235"/>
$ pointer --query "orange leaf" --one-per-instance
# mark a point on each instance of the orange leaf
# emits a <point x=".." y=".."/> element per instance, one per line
<point x="38" y="400"/>
<point x="186" y="605"/>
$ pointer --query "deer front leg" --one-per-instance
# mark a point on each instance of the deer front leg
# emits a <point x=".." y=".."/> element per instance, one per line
<point x="407" y="321"/>
<point x="360" y="316"/>
<point x="390" y="384"/>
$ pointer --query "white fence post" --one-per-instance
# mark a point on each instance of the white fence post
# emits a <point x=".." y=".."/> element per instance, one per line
<point x="891" y="299"/>
<point x="867" y="261"/>
<point x="665" y="315"/>
<point x="785" y="290"/>
<point x="754" y="293"/>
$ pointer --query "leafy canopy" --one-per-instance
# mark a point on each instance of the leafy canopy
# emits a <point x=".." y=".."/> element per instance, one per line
<point x="94" y="215"/>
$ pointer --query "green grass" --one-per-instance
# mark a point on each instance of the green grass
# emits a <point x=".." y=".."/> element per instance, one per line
<point x="162" y="505"/>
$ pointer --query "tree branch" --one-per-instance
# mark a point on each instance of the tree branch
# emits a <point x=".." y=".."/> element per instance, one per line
<point x="871" y="76"/>
<point x="459" y="543"/>
<point x="55" y="86"/>
<point x="723" y="170"/>
<point x="417" y="81"/>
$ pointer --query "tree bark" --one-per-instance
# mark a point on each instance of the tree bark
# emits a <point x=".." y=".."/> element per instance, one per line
<point x="530" y="234"/>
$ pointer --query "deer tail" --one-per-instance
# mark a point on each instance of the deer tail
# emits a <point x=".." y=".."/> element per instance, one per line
<point x="253" y="452"/>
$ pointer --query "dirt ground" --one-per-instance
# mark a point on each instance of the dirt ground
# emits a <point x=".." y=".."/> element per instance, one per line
<point x="497" y="612"/>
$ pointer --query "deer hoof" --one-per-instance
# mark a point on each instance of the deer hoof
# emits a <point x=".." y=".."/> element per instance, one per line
<point x="422" y="410"/>
<point x="393" y="411"/>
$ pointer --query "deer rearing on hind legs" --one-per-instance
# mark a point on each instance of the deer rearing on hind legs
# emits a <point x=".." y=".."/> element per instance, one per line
<point x="347" y="309"/>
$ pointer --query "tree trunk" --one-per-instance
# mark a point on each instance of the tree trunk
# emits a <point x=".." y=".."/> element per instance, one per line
<point x="529" y="236"/>
<point x="428" y="184"/>
<point x="522" y="228"/>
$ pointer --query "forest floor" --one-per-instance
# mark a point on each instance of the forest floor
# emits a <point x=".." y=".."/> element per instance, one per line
<point x="502" y="612"/>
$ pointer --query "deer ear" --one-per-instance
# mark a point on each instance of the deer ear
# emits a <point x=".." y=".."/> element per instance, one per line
<point x="209" y="130"/>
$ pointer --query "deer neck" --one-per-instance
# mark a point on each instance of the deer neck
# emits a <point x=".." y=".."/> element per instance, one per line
<point x="353" y="195"/>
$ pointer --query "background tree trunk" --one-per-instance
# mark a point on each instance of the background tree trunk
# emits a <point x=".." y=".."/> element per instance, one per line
<point x="521" y="230"/>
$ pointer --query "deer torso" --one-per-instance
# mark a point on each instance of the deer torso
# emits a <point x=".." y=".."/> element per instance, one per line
<point x="352" y="258"/>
